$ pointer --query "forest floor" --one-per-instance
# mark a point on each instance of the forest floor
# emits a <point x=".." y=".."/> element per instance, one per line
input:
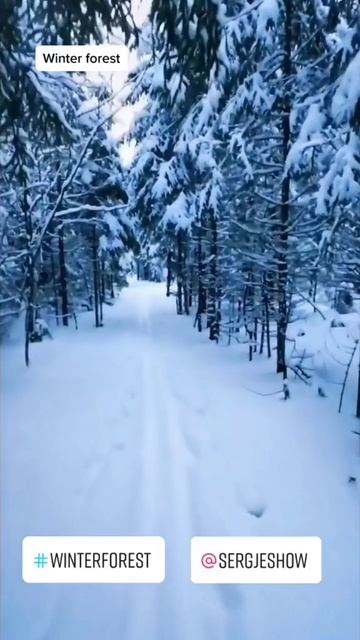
<point x="143" y="427"/>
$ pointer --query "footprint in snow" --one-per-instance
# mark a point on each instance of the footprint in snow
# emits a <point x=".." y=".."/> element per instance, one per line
<point x="252" y="502"/>
<point x="257" y="510"/>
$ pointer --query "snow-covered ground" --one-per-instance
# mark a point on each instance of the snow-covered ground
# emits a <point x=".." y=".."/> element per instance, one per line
<point x="144" y="427"/>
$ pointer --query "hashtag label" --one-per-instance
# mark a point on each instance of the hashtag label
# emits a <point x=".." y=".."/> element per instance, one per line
<point x="93" y="559"/>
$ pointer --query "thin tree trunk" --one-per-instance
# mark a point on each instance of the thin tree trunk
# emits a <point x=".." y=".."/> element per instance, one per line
<point x="213" y="318"/>
<point x="191" y="286"/>
<point x="185" y="278"/>
<point x="201" y="308"/>
<point x="255" y="334"/>
<point x="112" y="291"/>
<point x="285" y="196"/>
<point x="186" y="298"/>
<point x="252" y="323"/>
<point x="179" y="300"/>
<point x="169" y="260"/>
<point x="30" y="278"/>
<point x="95" y="259"/>
<point x="249" y="332"/>
<point x="102" y="290"/>
<point x="53" y="279"/>
<point x="63" y="278"/>
<point x="267" y="320"/>
<point x="238" y="318"/>
<point x="103" y="280"/>
<point x="262" y="334"/>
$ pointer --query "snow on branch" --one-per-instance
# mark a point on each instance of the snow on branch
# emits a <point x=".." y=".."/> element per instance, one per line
<point x="50" y="101"/>
<point x="178" y="213"/>
<point x="346" y="100"/>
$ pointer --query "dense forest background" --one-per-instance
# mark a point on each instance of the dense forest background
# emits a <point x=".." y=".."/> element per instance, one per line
<point x="242" y="185"/>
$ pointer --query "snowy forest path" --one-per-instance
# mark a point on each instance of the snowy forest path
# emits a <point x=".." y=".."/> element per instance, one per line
<point x="143" y="427"/>
<point x="165" y="503"/>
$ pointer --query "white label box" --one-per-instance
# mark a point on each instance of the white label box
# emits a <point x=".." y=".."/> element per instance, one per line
<point x="256" y="560"/>
<point x="98" y="559"/>
<point x="103" y="57"/>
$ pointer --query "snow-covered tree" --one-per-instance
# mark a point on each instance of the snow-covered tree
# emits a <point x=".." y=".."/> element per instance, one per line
<point x="60" y="172"/>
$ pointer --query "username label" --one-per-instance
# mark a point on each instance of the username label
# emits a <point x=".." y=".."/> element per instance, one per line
<point x="256" y="560"/>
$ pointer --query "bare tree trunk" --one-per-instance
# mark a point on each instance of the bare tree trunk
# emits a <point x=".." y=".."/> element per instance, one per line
<point x="95" y="259"/>
<point x="102" y="289"/>
<point x="63" y="279"/>
<point x="186" y="298"/>
<point x="185" y="277"/>
<point x="191" y="287"/>
<point x="212" y="309"/>
<point x="30" y="277"/>
<point x="267" y="320"/>
<point x="112" y="290"/>
<point x="238" y="318"/>
<point x="262" y="334"/>
<point x="252" y="324"/>
<point x="169" y="276"/>
<point x="179" y="299"/>
<point x="201" y="308"/>
<point x="255" y="334"/>
<point x="103" y="280"/>
<point x="282" y="320"/>
<point x="53" y="279"/>
<point x="246" y="321"/>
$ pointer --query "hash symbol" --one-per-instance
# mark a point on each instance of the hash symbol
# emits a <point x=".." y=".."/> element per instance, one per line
<point x="40" y="560"/>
